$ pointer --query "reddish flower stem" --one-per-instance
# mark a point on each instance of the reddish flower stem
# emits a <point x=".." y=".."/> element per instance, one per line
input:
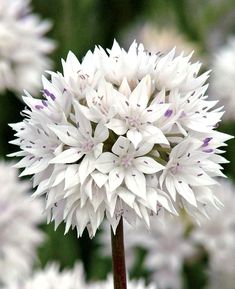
<point x="118" y="254"/>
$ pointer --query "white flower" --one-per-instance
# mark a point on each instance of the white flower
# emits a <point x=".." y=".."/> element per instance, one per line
<point x="19" y="235"/>
<point x="189" y="172"/>
<point x="223" y="75"/>
<point x="52" y="278"/>
<point x="131" y="284"/>
<point x="24" y="49"/>
<point x="217" y="233"/>
<point x="129" y="165"/>
<point x="107" y="137"/>
<point x="159" y="39"/>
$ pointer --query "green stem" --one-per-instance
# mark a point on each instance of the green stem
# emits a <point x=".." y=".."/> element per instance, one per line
<point x="118" y="255"/>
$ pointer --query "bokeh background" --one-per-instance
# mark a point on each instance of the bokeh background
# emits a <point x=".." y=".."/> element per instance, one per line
<point x="79" y="25"/>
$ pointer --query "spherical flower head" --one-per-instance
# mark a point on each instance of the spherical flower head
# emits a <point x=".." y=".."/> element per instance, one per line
<point x="23" y="47"/>
<point x="223" y="75"/>
<point x="19" y="218"/>
<point x="156" y="38"/>
<point x="122" y="133"/>
<point x="52" y="278"/>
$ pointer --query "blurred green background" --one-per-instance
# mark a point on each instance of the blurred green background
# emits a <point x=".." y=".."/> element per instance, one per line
<point x="79" y="25"/>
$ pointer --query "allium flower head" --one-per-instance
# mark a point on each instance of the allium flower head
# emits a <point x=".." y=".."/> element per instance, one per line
<point x="19" y="235"/>
<point x="23" y="48"/>
<point x="217" y="233"/>
<point x="223" y="75"/>
<point x="123" y="133"/>
<point x="52" y="278"/>
<point x="157" y="38"/>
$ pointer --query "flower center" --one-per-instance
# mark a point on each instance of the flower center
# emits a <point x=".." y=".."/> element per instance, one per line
<point x="134" y="121"/>
<point x="126" y="161"/>
<point x="88" y="146"/>
<point x="175" y="169"/>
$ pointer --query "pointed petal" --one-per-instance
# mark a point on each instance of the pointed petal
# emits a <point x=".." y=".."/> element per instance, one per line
<point x="126" y="196"/>
<point x="99" y="178"/>
<point x="121" y="146"/>
<point x="143" y="148"/>
<point x="101" y="133"/>
<point x="116" y="177"/>
<point x="140" y="95"/>
<point x="154" y="135"/>
<point x="147" y="165"/>
<point x="68" y="156"/>
<point x="186" y="192"/>
<point x="71" y="176"/>
<point x="86" y="167"/>
<point x="136" y="183"/>
<point x="134" y="136"/>
<point x="106" y="162"/>
<point x="117" y="125"/>
<point x="68" y="134"/>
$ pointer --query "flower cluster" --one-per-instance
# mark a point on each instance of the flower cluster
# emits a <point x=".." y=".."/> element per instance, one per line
<point x="52" y="278"/>
<point x="218" y="237"/>
<point x="23" y="48"/>
<point x="123" y="133"/>
<point x="223" y="75"/>
<point x="19" y="235"/>
<point x="156" y="38"/>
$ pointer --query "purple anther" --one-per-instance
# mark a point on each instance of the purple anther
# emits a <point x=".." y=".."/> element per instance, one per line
<point x="44" y="103"/>
<point x="208" y="151"/>
<point x="38" y="106"/>
<point x="168" y="113"/>
<point x="47" y="93"/>
<point x="206" y="141"/>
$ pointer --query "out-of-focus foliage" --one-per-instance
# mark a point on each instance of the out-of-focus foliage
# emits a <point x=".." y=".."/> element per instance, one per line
<point x="79" y="25"/>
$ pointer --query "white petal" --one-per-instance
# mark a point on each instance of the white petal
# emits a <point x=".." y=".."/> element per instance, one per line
<point x="82" y="122"/>
<point x="68" y="134"/>
<point x="68" y="156"/>
<point x="166" y="202"/>
<point x="71" y="176"/>
<point x="121" y="146"/>
<point x="86" y="167"/>
<point x="136" y="183"/>
<point x="145" y="215"/>
<point x="37" y="167"/>
<point x="147" y="165"/>
<point x="126" y="196"/>
<point x="106" y="162"/>
<point x="99" y="178"/>
<point x="170" y="185"/>
<point x="154" y="134"/>
<point x="186" y="192"/>
<point x="134" y="136"/>
<point x="98" y="150"/>
<point x="117" y="125"/>
<point x="125" y="88"/>
<point x="101" y="133"/>
<point x="143" y="148"/>
<point x="116" y="177"/>
<point x="140" y="95"/>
